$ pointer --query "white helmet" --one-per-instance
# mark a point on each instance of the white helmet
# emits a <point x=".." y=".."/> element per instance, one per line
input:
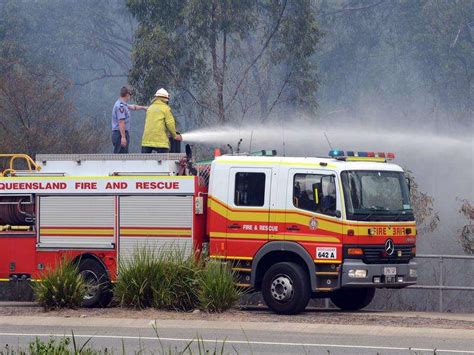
<point x="162" y="93"/>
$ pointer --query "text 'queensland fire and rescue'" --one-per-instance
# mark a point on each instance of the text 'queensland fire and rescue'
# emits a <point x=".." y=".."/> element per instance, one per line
<point x="137" y="185"/>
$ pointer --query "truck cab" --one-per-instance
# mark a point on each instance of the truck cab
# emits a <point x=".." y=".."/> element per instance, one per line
<point x="299" y="228"/>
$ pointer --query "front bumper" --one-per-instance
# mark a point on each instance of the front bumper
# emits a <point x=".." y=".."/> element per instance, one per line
<point x="375" y="271"/>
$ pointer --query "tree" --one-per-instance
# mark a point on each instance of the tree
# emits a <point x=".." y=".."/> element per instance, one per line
<point x="466" y="233"/>
<point x="36" y="116"/>
<point x="413" y="59"/>
<point x="223" y="54"/>
<point x="426" y="217"/>
<point x="64" y="48"/>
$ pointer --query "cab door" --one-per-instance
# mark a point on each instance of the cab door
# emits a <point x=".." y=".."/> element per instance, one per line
<point x="313" y="216"/>
<point x="248" y="210"/>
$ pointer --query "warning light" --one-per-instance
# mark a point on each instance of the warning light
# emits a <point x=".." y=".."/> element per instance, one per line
<point x="361" y="156"/>
<point x="336" y="153"/>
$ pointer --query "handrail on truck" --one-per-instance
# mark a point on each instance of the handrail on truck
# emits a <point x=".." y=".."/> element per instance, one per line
<point x="11" y="170"/>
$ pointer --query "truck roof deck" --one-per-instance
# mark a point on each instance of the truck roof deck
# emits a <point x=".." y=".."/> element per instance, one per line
<point x="310" y="162"/>
<point x="109" y="164"/>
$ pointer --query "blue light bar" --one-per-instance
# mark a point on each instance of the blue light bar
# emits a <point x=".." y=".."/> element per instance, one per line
<point x="336" y="153"/>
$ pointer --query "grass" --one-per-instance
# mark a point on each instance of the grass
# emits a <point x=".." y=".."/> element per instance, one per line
<point x="60" y="287"/>
<point x="69" y="346"/>
<point x="217" y="290"/>
<point x="136" y="277"/>
<point x="168" y="279"/>
<point x="177" y="286"/>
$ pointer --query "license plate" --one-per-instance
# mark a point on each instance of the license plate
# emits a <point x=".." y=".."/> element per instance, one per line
<point x="326" y="253"/>
<point x="389" y="271"/>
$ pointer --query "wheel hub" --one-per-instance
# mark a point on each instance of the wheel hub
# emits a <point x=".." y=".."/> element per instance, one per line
<point x="282" y="288"/>
<point x="91" y="284"/>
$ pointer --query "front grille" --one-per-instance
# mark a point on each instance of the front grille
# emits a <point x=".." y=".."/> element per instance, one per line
<point x="375" y="254"/>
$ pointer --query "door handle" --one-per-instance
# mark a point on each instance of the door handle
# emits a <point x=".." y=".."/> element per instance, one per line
<point x="234" y="226"/>
<point x="293" y="228"/>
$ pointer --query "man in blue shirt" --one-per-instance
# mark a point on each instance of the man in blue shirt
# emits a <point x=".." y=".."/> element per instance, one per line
<point x="121" y="121"/>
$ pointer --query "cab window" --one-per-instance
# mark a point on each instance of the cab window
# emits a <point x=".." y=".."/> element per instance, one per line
<point x="315" y="193"/>
<point x="249" y="189"/>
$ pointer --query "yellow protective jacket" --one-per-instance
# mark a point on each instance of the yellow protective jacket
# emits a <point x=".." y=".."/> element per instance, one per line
<point x="159" y="121"/>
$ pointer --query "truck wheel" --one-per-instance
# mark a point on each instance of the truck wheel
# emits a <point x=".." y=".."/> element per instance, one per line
<point x="285" y="288"/>
<point x="98" y="292"/>
<point x="353" y="299"/>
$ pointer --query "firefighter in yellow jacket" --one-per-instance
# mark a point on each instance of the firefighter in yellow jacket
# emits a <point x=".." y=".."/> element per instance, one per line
<point x="159" y="122"/>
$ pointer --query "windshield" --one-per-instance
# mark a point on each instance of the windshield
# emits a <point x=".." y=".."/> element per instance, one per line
<point x="376" y="196"/>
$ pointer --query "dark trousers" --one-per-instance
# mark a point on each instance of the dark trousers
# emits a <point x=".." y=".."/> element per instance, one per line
<point x="151" y="149"/>
<point x="116" y="141"/>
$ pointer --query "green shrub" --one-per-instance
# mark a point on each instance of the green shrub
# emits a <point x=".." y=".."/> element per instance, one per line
<point x="168" y="279"/>
<point x="176" y="287"/>
<point x="136" y="277"/>
<point x="61" y="287"/>
<point x="217" y="289"/>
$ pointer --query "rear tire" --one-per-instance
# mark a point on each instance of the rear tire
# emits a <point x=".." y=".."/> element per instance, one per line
<point x="285" y="288"/>
<point x="353" y="299"/>
<point x="98" y="287"/>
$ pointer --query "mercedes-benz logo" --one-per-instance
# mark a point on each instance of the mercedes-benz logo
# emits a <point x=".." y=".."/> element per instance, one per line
<point x="389" y="247"/>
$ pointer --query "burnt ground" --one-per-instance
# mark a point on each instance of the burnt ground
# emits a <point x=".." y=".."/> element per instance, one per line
<point x="257" y="314"/>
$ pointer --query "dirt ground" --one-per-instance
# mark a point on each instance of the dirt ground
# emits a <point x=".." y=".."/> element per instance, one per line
<point x="258" y="314"/>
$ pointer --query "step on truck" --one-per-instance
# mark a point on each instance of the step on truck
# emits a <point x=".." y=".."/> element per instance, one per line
<point x="337" y="227"/>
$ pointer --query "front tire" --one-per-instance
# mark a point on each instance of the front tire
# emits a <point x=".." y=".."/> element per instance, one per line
<point x="98" y="292"/>
<point x="285" y="288"/>
<point x="353" y="299"/>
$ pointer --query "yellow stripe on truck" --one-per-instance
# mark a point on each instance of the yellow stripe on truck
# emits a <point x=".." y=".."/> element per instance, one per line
<point x="54" y="231"/>
<point x="155" y="232"/>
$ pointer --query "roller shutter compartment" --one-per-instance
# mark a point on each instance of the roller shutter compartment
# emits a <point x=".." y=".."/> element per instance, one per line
<point x="155" y="222"/>
<point x="76" y="222"/>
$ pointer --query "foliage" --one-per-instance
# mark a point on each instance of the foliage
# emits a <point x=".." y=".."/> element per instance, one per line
<point x="165" y="279"/>
<point x="426" y="217"/>
<point x="34" y="110"/>
<point x="414" y="59"/>
<point x="168" y="279"/>
<point x="136" y="277"/>
<point x="58" y="51"/>
<point x="217" y="291"/>
<point x="60" y="287"/>
<point x="228" y="59"/>
<point x="176" y="287"/>
<point x="466" y="233"/>
<point x="62" y="346"/>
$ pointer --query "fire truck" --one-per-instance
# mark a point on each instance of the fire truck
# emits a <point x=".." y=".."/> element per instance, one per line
<point x="293" y="228"/>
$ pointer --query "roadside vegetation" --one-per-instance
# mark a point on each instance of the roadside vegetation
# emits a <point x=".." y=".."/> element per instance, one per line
<point x="170" y="280"/>
<point x="61" y="287"/>
<point x="70" y="346"/>
<point x="162" y="279"/>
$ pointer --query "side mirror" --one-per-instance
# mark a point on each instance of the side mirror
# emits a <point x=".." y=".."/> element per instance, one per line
<point x="338" y="214"/>
<point x="408" y="183"/>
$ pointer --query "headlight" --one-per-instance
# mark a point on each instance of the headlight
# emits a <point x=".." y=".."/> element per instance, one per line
<point x="357" y="273"/>
<point x="413" y="273"/>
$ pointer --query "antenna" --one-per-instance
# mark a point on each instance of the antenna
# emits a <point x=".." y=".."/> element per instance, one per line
<point x="284" y="146"/>
<point x="325" y="135"/>
<point x="238" y="145"/>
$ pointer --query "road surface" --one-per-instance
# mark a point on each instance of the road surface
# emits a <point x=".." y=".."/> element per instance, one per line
<point x="242" y="337"/>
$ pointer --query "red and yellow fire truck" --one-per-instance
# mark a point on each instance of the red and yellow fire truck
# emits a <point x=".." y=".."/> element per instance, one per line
<point x="293" y="228"/>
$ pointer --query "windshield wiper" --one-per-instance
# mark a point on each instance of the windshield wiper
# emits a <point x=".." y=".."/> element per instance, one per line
<point x="402" y="213"/>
